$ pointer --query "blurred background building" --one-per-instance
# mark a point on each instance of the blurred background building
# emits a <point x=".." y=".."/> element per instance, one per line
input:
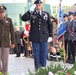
<point x="16" y="10"/>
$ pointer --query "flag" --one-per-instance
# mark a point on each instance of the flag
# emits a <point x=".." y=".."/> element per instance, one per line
<point x="61" y="25"/>
<point x="26" y="30"/>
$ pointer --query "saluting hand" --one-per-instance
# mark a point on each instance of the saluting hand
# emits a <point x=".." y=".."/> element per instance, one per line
<point x="32" y="8"/>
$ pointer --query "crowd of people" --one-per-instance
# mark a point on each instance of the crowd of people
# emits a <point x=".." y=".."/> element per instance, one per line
<point x="41" y="27"/>
<point x="23" y="45"/>
<point x="69" y="38"/>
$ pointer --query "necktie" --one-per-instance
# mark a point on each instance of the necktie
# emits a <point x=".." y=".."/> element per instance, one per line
<point x="39" y="13"/>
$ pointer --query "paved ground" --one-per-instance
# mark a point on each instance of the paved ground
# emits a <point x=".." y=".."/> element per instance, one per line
<point x="20" y="65"/>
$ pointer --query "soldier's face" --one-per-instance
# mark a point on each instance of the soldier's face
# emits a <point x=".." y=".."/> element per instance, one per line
<point x="66" y="18"/>
<point x="2" y="15"/>
<point x="71" y="16"/>
<point x="38" y="7"/>
<point x="75" y="17"/>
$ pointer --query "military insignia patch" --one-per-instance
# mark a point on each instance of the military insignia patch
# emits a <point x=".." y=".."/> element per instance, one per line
<point x="33" y="21"/>
<point x="45" y="17"/>
<point x="33" y="16"/>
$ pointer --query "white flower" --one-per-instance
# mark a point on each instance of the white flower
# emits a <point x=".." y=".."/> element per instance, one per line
<point x="23" y="73"/>
<point x="74" y="72"/>
<point x="50" y="73"/>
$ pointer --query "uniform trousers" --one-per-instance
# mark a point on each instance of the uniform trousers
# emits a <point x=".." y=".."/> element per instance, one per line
<point x="74" y="43"/>
<point x="4" y="54"/>
<point x="71" y="50"/>
<point x="66" y="48"/>
<point x="66" y="45"/>
<point x="40" y="51"/>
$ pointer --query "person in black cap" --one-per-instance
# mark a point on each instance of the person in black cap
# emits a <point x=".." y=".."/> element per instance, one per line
<point x="74" y="37"/>
<point x="65" y="16"/>
<point x="70" y="37"/>
<point x="2" y="11"/>
<point x="38" y="2"/>
<point x="6" y="27"/>
<point x="41" y="29"/>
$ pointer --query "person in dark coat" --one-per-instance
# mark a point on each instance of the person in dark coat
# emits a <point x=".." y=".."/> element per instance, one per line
<point x="6" y="40"/>
<point x="18" y="42"/>
<point x="70" y="38"/>
<point x="41" y="29"/>
<point x="66" y="21"/>
<point x="74" y="36"/>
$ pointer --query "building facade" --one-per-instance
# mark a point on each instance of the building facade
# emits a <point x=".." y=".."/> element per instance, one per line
<point x="16" y="10"/>
<point x="54" y="10"/>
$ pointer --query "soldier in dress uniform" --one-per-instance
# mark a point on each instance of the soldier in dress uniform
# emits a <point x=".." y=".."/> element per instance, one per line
<point x="74" y="36"/>
<point x="70" y="37"/>
<point x="41" y="29"/>
<point x="65" y="16"/>
<point x="6" y="27"/>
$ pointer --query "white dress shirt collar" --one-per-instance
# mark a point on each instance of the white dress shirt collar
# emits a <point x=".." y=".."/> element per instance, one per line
<point x="39" y="11"/>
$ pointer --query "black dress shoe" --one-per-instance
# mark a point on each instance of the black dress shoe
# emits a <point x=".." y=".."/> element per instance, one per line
<point x="17" y="56"/>
<point x="72" y="62"/>
<point x="68" y="61"/>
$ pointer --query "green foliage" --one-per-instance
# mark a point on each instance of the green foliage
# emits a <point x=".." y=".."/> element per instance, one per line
<point x="60" y="73"/>
<point x="71" y="71"/>
<point x="42" y="71"/>
<point x="55" y="69"/>
<point x="1" y="73"/>
<point x="61" y="52"/>
<point x="30" y="73"/>
<point x="74" y="66"/>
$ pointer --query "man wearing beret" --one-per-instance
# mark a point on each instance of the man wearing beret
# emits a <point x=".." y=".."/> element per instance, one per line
<point x="6" y="28"/>
<point x="41" y="29"/>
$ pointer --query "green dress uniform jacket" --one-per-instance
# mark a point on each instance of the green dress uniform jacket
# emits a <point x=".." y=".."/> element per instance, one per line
<point x="6" y="33"/>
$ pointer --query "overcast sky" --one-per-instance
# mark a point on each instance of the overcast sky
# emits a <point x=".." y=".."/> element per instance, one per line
<point x="52" y="2"/>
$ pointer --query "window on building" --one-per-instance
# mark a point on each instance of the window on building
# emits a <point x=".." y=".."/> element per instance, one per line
<point x="54" y="9"/>
<point x="20" y="21"/>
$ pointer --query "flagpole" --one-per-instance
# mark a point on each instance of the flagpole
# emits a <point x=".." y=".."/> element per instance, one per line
<point x="64" y="59"/>
<point x="63" y="46"/>
<point x="64" y="50"/>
